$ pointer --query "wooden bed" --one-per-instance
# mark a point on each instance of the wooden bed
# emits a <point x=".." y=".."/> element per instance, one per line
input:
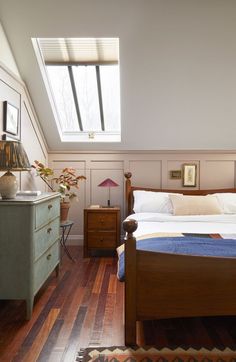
<point x="162" y="285"/>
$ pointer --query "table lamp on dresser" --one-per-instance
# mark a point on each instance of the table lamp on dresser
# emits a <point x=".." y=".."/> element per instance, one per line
<point x="12" y="158"/>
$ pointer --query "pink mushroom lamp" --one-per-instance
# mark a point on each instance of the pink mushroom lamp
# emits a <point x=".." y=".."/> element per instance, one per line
<point x="108" y="183"/>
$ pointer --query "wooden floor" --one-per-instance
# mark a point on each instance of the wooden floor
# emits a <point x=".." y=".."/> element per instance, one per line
<point x="84" y="307"/>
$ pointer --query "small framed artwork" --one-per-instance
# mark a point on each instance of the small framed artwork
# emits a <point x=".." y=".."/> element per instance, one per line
<point x="189" y="175"/>
<point x="175" y="174"/>
<point x="10" y="118"/>
<point x="6" y="137"/>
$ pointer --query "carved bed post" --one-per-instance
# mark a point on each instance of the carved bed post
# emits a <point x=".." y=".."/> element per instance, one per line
<point x="130" y="282"/>
<point x="128" y="209"/>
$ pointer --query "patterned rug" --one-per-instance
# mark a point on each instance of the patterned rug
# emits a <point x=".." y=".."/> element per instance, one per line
<point x="123" y="354"/>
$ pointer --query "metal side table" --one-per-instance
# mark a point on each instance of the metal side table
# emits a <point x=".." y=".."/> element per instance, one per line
<point x="66" y="228"/>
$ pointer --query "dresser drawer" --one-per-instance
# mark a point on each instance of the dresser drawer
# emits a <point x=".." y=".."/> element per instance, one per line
<point x="102" y="240"/>
<point x="45" y="265"/>
<point x="101" y="221"/>
<point x="46" y="211"/>
<point x="45" y="237"/>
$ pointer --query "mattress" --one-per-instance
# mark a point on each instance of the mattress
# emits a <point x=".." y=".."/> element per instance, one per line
<point x="149" y="223"/>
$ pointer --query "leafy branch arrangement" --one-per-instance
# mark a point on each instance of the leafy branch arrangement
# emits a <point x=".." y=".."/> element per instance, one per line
<point x="65" y="181"/>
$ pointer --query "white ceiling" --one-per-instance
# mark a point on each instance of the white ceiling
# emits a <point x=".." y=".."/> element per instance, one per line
<point x="177" y="63"/>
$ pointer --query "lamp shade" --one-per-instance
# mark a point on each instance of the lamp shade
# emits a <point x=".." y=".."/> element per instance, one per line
<point x="108" y="183"/>
<point x="13" y="156"/>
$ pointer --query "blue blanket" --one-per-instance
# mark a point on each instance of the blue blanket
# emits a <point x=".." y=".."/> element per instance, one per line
<point x="183" y="245"/>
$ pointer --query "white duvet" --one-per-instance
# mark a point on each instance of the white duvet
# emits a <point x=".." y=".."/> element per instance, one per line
<point x="224" y="224"/>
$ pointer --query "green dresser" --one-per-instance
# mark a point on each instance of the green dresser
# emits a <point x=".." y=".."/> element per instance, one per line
<point x="29" y="245"/>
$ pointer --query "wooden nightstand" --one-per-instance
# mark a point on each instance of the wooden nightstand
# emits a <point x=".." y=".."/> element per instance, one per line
<point x="101" y="229"/>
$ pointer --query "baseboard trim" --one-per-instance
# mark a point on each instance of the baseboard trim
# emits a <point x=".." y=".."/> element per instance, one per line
<point x="75" y="240"/>
<point x="78" y="240"/>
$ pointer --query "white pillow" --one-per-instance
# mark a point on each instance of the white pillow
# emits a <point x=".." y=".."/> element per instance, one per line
<point x="150" y="201"/>
<point x="195" y="205"/>
<point x="227" y="202"/>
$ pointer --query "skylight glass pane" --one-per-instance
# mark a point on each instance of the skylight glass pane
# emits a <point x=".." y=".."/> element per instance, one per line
<point x="87" y="94"/>
<point x="62" y="92"/>
<point x="110" y="84"/>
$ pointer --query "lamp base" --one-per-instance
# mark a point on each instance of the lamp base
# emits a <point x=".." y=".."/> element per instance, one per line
<point x="8" y="186"/>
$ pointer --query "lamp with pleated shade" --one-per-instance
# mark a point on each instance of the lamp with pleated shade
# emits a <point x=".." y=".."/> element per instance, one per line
<point x="12" y="158"/>
<point x="108" y="183"/>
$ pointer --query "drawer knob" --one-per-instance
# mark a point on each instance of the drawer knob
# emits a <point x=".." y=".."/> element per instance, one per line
<point x="101" y="221"/>
<point x="49" y="206"/>
<point x="101" y="240"/>
<point x="49" y="230"/>
<point x="49" y="256"/>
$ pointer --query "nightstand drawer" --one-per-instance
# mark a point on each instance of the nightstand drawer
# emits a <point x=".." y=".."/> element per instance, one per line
<point x="46" y="211"/>
<point x="101" y="221"/>
<point x="45" y="237"/>
<point x="45" y="265"/>
<point x="102" y="240"/>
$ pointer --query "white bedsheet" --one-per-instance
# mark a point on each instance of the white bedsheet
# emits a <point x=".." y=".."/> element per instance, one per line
<point x="224" y="224"/>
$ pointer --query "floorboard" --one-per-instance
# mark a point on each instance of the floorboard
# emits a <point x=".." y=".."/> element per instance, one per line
<point x="83" y="307"/>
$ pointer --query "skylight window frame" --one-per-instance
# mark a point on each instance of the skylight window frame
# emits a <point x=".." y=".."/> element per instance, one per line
<point x="81" y="135"/>
<point x="97" y="66"/>
<point x="74" y="92"/>
<point x="98" y="77"/>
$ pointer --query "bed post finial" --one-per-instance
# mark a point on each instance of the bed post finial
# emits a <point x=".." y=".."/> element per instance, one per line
<point x="130" y="226"/>
<point x="130" y="282"/>
<point x="128" y="175"/>
<point x="128" y="193"/>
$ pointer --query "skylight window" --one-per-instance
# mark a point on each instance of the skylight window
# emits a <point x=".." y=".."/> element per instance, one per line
<point x="82" y="76"/>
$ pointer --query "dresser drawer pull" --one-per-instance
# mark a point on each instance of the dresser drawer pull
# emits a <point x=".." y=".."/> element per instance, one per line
<point x="49" y="256"/>
<point x="101" y="240"/>
<point x="101" y="221"/>
<point x="49" y="230"/>
<point x="49" y="206"/>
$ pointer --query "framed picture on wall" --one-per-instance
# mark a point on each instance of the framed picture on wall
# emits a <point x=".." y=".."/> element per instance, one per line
<point x="175" y="174"/>
<point x="189" y="175"/>
<point x="6" y="137"/>
<point x="10" y="118"/>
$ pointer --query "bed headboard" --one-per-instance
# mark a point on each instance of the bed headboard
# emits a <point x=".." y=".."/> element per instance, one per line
<point x="129" y="199"/>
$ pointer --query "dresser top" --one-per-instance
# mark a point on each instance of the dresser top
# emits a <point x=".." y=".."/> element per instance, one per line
<point x="30" y="199"/>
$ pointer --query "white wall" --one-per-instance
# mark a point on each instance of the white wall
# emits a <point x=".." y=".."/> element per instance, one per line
<point x="150" y="169"/>
<point x="177" y="66"/>
<point x="178" y="86"/>
<point x="6" y="56"/>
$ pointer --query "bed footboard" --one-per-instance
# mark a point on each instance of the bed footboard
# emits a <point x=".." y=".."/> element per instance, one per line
<point x="164" y="285"/>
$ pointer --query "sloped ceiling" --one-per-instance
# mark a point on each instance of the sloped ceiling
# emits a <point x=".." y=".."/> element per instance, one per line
<point x="26" y="19"/>
<point x="177" y="63"/>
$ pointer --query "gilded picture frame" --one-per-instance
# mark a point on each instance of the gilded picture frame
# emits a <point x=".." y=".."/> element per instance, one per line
<point x="189" y="175"/>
